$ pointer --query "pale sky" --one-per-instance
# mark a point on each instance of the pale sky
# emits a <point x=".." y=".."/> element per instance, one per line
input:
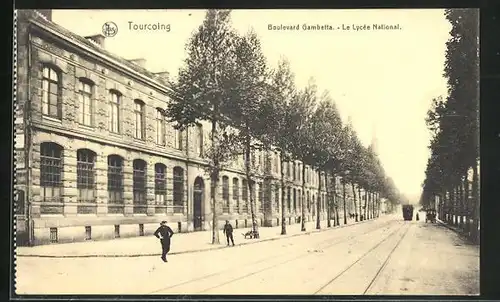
<point x="384" y="80"/>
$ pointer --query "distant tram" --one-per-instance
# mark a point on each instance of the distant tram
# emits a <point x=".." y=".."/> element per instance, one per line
<point x="408" y="212"/>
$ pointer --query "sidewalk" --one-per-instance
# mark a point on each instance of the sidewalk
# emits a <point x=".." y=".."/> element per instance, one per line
<point x="461" y="233"/>
<point x="181" y="243"/>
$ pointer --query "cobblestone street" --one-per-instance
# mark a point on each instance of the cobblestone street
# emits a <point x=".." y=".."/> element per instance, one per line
<point x="383" y="256"/>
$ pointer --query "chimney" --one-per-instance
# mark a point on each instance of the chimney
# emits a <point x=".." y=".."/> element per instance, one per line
<point x="98" y="39"/>
<point x="47" y="13"/>
<point x="163" y="76"/>
<point x="141" y="62"/>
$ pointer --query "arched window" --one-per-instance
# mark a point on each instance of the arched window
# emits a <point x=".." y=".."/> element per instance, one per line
<point x="294" y="199"/>
<point x="85" y="102"/>
<point x="244" y="195"/>
<point x="51" y="166"/>
<point x="288" y="199"/>
<point x="85" y="175"/>
<point x="236" y="194"/>
<point x="115" y="179"/>
<point x="139" y="182"/>
<point x="114" y="111"/>
<point x="160" y="184"/>
<point x="51" y="104"/>
<point x="139" y="119"/>
<point x="178" y="190"/>
<point x="225" y="194"/>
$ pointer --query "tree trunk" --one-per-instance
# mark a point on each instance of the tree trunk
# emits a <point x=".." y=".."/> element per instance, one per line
<point x="372" y="196"/>
<point x="213" y="199"/>
<point x="302" y="200"/>
<point x="250" y="183"/>
<point x="366" y="206"/>
<point x="345" y="210"/>
<point x="361" y="213"/>
<point x="461" y="210"/>
<point x="467" y="206"/>
<point x="476" y="204"/>
<point x="355" y="205"/>
<point x="318" y="205"/>
<point x="214" y="178"/>
<point x="283" y="216"/>
<point x="328" y="201"/>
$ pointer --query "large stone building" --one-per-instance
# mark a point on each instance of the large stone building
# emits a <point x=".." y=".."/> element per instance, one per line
<point x="96" y="158"/>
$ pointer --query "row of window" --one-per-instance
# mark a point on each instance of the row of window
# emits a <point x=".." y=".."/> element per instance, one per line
<point x="51" y="106"/>
<point x="51" y="167"/>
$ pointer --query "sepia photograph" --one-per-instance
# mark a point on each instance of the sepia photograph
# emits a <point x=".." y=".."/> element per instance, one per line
<point x="246" y="152"/>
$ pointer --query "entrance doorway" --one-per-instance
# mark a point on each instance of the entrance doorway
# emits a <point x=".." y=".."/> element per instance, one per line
<point x="197" y="203"/>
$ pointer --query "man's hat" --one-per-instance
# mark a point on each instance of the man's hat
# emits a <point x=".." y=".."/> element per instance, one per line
<point x="164" y="222"/>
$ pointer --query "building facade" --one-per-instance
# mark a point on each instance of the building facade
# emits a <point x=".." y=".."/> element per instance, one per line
<point x="97" y="159"/>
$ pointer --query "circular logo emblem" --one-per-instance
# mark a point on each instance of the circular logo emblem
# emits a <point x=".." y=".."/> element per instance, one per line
<point x="109" y="29"/>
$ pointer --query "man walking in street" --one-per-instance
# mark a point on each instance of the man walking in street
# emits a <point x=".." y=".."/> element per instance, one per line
<point x="164" y="233"/>
<point x="228" y="231"/>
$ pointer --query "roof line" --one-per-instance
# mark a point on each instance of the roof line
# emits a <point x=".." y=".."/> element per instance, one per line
<point x="105" y="57"/>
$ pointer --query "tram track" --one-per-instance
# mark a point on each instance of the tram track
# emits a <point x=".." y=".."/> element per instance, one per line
<point x="357" y="264"/>
<point x="321" y="245"/>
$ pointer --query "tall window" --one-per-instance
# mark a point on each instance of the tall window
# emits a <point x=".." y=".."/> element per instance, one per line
<point x="85" y="101"/>
<point x="178" y="139"/>
<point x="115" y="179"/>
<point x="139" y="119"/>
<point x="244" y="194"/>
<point x="51" y="104"/>
<point x="51" y="172"/>
<point x="288" y="197"/>
<point x="160" y="127"/>
<point x="259" y="160"/>
<point x="276" y="162"/>
<point x="277" y="197"/>
<point x="253" y="157"/>
<point x="160" y="184"/>
<point x="20" y="202"/>
<point x="200" y="140"/>
<point x="300" y="172"/>
<point x="294" y="172"/>
<point x="294" y="199"/>
<point x="225" y="194"/>
<point x="178" y="189"/>
<point x="114" y="111"/>
<point x="236" y="194"/>
<point x="308" y="202"/>
<point x="139" y="181"/>
<point x="299" y="199"/>
<point x="260" y="196"/>
<point x="85" y="175"/>
<point x="313" y="203"/>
